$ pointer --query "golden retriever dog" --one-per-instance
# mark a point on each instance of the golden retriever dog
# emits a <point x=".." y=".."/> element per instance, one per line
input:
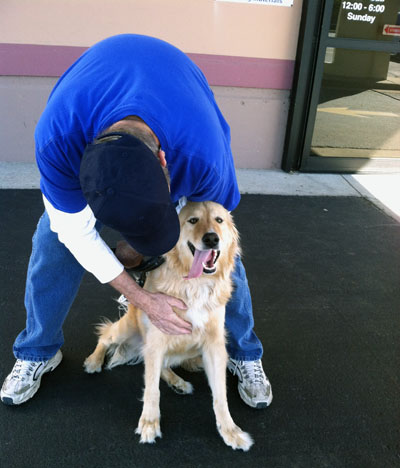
<point x="198" y="271"/>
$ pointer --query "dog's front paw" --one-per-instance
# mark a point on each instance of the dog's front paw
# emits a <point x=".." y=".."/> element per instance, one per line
<point x="148" y="430"/>
<point x="236" y="438"/>
<point x="92" y="365"/>
<point x="182" y="387"/>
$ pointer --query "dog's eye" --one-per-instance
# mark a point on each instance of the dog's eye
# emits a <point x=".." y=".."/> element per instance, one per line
<point x="193" y="220"/>
<point x="219" y="220"/>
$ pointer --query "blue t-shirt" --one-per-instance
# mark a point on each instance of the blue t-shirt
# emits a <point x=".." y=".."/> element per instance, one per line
<point x="136" y="75"/>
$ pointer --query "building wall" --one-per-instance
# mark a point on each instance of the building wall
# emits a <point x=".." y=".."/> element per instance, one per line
<point x="247" y="52"/>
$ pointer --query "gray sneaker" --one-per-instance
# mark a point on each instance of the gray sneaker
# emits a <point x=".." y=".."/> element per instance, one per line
<point x="24" y="380"/>
<point x="254" y="387"/>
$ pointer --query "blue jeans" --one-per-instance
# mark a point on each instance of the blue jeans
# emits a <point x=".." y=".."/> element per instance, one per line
<point x="53" y="280"/>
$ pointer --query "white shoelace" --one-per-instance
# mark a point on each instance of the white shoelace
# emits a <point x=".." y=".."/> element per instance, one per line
<point x="253" y="371"/>
<point x="23" y="369"/>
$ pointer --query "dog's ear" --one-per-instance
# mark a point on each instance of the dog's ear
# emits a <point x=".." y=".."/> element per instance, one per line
<point x="127" y="255"/>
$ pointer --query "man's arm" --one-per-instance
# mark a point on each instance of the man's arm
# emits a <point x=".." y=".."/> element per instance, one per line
<point x="157" y="306"/>
<point x="77" y="232"/>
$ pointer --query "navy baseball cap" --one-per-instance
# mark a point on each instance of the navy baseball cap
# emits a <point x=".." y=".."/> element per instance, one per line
<point x="125" y="186"/>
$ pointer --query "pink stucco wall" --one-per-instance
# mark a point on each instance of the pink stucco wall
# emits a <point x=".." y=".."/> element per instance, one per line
<point x="246" y="51"/>
<point x="195" y="26"/>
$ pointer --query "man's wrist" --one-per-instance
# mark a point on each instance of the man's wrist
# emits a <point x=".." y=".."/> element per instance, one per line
<point x="127" y="286"/>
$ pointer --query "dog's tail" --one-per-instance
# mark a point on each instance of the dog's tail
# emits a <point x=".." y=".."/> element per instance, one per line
<point x="122" y="338"/>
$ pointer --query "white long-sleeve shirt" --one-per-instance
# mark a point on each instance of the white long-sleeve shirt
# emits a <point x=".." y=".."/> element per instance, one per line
<point x="77" y="231"/>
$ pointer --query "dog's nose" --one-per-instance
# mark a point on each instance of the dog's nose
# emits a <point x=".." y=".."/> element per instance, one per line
<point x="210" y="240"/>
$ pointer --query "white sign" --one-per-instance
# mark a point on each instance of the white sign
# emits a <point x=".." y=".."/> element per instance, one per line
<point x="285" y="3"/>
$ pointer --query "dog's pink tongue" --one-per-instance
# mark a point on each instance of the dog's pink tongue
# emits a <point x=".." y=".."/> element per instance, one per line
<point x="200" y="257"/>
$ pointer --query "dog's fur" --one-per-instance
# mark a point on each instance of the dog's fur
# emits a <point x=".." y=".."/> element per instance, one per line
<point x="134" y="335"/>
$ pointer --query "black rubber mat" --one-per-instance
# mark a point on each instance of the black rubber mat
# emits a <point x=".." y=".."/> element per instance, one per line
<point x="324" y="275"/>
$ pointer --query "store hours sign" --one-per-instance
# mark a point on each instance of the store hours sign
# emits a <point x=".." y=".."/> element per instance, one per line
<point x="364" y="12"/>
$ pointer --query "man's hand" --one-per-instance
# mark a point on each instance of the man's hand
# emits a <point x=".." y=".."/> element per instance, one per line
<point x="160" y="312"/>
<point x="157" y="306"/>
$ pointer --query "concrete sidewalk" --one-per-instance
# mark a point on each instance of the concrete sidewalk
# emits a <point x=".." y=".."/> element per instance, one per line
<point x="383" y="190"/>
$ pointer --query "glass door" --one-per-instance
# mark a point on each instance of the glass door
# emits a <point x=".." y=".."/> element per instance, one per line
<point x="353" y="119"/>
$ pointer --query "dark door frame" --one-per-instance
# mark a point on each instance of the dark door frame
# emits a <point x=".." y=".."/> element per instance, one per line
<point x="313" y="41"/>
